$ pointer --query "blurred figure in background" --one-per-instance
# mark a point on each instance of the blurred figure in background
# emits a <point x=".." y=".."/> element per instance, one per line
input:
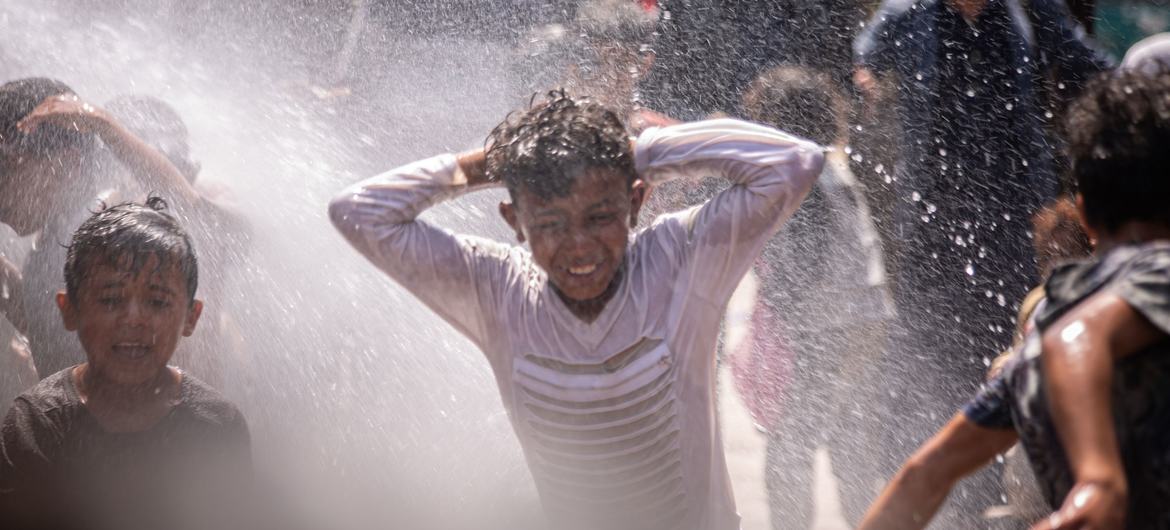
<point x="832" y="315"/>
<point x="975" y="161"/>
<point x="220" y="232"/>
<point x="40" y="172"/>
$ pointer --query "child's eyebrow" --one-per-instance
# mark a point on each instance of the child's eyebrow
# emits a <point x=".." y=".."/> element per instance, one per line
<point x="604" y="203"/>
<point x="163" y="288"/>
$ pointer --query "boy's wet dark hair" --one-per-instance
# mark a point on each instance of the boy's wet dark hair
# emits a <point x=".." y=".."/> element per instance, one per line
<point x="543" y="149"/>
<point x="18" y="99"/>
<point x="159" y="125"/>
<point x="1119" y="133"/>
<point x="127" y="235"/>
<point x="803" y="102"/>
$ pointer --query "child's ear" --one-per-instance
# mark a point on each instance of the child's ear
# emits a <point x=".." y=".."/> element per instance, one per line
<point x="68" y="311"/>
<point x="508" y="212"/>
<point x="193" y="313"/>
<point x="638" y="192"/>
<point x="1089" y="231"/>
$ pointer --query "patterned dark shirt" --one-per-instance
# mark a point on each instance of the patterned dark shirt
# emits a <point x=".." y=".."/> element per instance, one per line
<point x="1140" y="275"/>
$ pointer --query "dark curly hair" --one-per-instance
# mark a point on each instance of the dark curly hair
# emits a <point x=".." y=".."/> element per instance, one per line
<point x="543" y="149"/>
<point x="127" y="235"/>
<point x="1119" y="143"/>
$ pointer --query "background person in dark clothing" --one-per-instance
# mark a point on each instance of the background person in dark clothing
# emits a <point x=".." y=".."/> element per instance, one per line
<point x="974" y="161"/>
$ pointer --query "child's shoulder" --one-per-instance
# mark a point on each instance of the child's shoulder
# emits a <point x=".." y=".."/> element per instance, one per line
<point x="52" y="393"/>
<point x="207" y="405"/>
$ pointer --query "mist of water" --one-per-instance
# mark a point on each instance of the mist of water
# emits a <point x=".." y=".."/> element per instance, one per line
<point x="365" y="408"/>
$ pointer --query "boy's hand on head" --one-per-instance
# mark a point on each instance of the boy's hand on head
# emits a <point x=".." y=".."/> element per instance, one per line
<point x="1089" y="506"/>
<point x="473" y="164"/>
<point x="67" y="111"/>
<point x="643" y="118"/>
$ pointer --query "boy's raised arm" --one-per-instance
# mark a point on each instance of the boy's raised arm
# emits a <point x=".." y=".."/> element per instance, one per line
<point x="379" y="218"/>
<point x="771" y="173"/>
<point x="150" y="168"/>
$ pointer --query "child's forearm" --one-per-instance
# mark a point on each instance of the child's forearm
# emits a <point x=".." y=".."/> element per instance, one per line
<point x="153" y="171"/>
<point x="908" y="503"/>
<point x="748" y="154"/>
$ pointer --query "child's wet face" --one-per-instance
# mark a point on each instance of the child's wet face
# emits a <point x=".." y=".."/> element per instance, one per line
<point x="32" y="184"/>
<point x="580" y="239"/>
<point x="129" y="321"/>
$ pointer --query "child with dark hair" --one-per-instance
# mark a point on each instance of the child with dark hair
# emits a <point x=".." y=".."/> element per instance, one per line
<point x="602" y="339"/>
<point x="123" y="440"/>
<point x="35" y="168"/>
<point x="222" y="234"/>
<point x="1085" y="392"/>
<point x="147" y="164"/>
<point x="832" y="316"/>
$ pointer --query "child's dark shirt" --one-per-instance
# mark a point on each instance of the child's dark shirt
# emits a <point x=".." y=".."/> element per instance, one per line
<point x="59" y="468"/>
<point x="1140" y="275"/>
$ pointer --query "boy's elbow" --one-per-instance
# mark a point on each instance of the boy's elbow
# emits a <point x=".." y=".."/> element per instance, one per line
<point x="810" y="164"/>
<point x="341" y="210"/>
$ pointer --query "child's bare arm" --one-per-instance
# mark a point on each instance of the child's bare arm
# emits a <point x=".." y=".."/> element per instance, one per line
<point x="449" y="273"/>
<point x="911" y="499"/>
<point x="1080" y="350"/>
<point x="150" y="168"/>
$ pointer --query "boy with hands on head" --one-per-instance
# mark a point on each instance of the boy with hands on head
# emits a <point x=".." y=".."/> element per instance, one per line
<point x="602" y="340"/>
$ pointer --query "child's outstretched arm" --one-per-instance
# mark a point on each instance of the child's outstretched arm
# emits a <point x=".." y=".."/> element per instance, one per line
<point x="770" y="172"/>
<point x="451" y="274"/>
<point x="913" y="496"/>
<point x="150" y="168"/>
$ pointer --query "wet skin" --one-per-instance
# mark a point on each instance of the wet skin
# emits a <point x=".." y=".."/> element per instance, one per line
<point x="580" y="240"/>
<point x="129" y="322"/>
<point x="31" y="184"/>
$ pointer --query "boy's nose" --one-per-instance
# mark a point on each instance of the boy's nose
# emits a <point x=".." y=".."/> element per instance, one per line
<point x="135" y="313"/>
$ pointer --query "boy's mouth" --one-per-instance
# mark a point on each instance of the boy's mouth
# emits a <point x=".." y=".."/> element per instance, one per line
<point x="583" y="270"/>
<point x="132" y="350"/>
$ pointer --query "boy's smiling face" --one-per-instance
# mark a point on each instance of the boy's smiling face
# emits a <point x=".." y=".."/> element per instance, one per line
<point x="580" y="239"/>
<point x="129" y="319"/>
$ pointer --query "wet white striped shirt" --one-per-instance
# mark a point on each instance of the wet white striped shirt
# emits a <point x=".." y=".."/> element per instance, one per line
<point x="616" y="416"/>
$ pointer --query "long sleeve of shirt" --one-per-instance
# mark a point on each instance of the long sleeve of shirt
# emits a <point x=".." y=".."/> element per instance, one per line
<point x="770" y="172"/>
<point x="462" y="278"/>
